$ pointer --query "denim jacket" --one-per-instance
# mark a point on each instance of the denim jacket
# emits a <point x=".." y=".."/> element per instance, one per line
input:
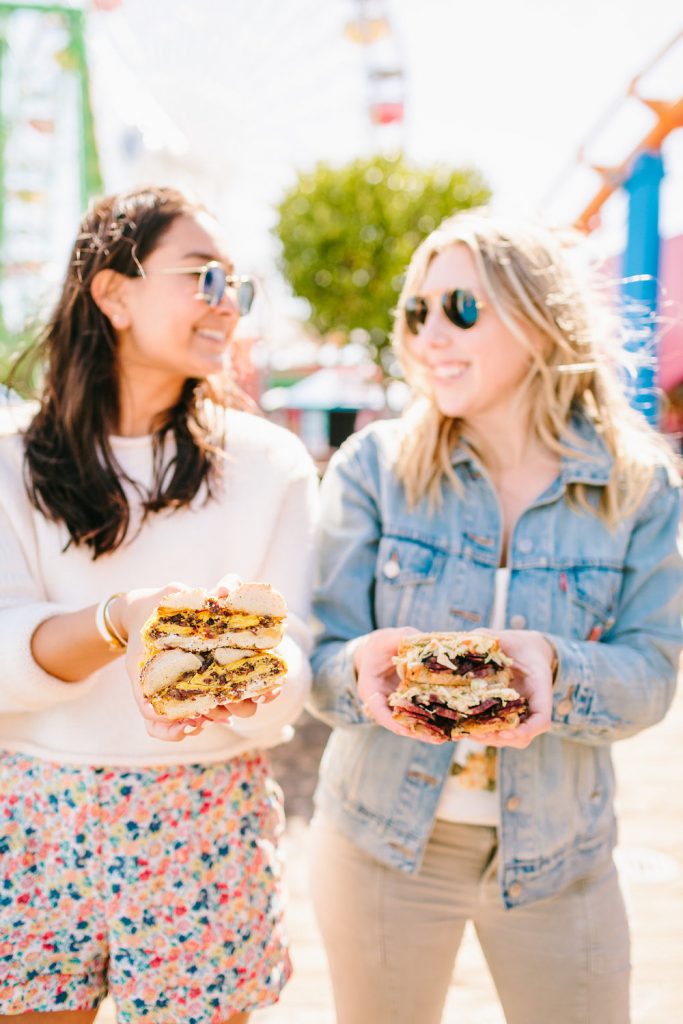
<point x="610" y="601"/>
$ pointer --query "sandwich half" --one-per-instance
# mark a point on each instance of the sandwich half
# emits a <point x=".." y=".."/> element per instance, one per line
<point x="181" y="683"/>
<point x="455" y="684"/>
<point x="251" y="616"/>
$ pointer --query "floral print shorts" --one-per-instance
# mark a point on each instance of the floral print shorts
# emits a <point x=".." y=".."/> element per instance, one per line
<point x="158" y="885"/>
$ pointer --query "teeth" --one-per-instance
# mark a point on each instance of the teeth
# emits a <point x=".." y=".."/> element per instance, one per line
<point x="213" y="335"/>
<point x="449" y="372"/>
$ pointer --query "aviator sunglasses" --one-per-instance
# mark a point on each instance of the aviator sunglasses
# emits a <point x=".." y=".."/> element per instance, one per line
<point x="213" y="282"/>
<point x="460" y="306"/>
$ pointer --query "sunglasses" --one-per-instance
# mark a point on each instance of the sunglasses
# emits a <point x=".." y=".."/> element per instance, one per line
<point x="460" y="306"/>
<point x="213" y="282"/>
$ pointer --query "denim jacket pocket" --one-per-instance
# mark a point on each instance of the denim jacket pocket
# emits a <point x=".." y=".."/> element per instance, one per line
<point x="405" y="573"/>
<point x="593" y="594"/>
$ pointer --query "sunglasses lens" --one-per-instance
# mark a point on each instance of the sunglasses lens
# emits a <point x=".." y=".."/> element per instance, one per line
<point x="213" y="285"/>
<point x="415" y="310"/>
<point x="245" y="296"/>
<point x="460" y="306"/>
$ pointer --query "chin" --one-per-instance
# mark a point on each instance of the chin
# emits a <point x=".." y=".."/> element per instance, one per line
<point x="454" y="410"/>
<point x="208" y="367"/>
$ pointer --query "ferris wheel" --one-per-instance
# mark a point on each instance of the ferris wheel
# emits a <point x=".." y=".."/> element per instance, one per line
<point x="48" y="157"/>
<point x="373" y="30"/>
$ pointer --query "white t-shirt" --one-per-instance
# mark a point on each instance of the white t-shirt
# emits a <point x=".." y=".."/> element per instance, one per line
<point x="260" y="526"/>
<point x="469" y="795"/>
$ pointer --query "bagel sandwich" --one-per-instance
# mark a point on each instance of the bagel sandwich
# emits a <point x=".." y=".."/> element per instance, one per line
<point x="252" y="616"/>
<point x="184" y="683"/>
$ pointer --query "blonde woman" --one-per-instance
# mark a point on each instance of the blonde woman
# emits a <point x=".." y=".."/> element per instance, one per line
<point x="518" y="493"/>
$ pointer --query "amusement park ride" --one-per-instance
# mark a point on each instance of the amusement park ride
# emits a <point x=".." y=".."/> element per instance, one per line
<point x="640" y="174"/>
<point x="49" y="164"/>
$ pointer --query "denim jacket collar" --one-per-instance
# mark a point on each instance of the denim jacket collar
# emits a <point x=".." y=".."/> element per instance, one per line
<point x="592" y="463"/>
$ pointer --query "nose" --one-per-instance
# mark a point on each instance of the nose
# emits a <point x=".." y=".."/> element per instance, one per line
<point x="435" y="331"/>
<point x="228" y="304"/>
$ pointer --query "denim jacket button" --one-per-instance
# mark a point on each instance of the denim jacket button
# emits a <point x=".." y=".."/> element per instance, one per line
<point x="513" y="803"/>
<point x="564" y="707"/>
<point x="391" y="568"/>
<point x="515" y="890"/>
<point x="518" y="622"/>
<point x="525" y="546"/>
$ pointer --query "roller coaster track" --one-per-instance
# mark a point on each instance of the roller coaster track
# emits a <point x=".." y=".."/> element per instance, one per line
<point x="669" y="115"/>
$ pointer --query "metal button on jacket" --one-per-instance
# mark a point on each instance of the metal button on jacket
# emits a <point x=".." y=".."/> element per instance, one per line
<point x="518" y="622"/>
<point x="391" y="568"/>
<point x="525" y="545"/>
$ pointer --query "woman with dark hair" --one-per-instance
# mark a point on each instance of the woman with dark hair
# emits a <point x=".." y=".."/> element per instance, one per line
<point x="128" y="863"/>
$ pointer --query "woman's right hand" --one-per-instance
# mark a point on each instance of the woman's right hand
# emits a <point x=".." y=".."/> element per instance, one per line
<point x="377" y="678"/>
<point x="129" y="614"/>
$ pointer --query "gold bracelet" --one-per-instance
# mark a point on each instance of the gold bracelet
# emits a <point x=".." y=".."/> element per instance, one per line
<point x="106" y="628"/>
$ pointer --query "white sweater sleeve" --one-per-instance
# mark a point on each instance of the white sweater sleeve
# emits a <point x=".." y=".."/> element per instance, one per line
<point x="24" y="686"/>
<point x="288" y="566"/>
<point x="265" y="727"/>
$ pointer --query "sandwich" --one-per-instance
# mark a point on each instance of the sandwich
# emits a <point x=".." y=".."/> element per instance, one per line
<point x="184" y="683"/>
<point x="455" y="684"/>
<point x="203" y="651"/>
<point x="252" y="616"/>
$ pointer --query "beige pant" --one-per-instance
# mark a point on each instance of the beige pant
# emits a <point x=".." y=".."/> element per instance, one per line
<point x="392" y="938"/>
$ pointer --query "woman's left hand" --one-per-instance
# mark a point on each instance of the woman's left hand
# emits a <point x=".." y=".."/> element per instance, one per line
<point x="533" y="677"/>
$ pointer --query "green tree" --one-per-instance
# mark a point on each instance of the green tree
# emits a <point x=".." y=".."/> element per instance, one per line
<point x="347" y="235"/>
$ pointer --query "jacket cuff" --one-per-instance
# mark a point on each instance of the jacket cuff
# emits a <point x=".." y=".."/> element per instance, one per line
<point x="571" y="697"/>
<point x="336" y="696"/>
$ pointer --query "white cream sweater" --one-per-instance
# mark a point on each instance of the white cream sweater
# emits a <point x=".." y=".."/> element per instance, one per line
<point x="261" y="526"/>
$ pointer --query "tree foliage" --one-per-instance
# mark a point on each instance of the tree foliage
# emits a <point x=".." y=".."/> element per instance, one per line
<point x="347" y="235"/>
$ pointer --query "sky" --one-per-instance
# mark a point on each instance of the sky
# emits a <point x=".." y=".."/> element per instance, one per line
<point x="247" y="91"/>
<point x="229" y="98"/>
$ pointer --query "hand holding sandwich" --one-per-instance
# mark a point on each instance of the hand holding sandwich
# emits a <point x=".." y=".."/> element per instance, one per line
<point x="532" y="671"/>
<point x="377" y="678"/>
<point x="450" y="685"/>
<point x="130" y="612"/>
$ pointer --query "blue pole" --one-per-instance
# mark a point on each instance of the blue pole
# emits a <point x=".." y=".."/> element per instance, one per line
<point x="639" y="289"/>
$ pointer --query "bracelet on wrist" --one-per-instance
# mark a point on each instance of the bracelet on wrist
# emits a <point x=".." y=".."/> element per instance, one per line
<point x="106" y="628"/>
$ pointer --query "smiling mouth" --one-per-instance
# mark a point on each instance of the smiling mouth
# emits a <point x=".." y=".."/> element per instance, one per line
<point x="217" y="337"/>
<point x="449" y="372"/>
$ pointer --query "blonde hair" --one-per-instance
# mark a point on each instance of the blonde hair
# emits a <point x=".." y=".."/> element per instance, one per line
<point x="530" y="281"/>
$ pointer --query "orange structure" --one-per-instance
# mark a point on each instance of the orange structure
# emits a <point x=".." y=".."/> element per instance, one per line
<point x="669" y="116"/>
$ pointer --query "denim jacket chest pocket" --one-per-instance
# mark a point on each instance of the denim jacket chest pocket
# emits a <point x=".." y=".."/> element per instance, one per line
<point x="592" y="594"/>
<point x="407" y="575"/>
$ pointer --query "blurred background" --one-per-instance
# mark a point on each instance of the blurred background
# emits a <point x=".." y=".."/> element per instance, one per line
<point x="329" y="138"/>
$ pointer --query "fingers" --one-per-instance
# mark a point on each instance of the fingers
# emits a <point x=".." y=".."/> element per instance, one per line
<point x="174" y="731"/>
<point x="222" y="713"/>
<point x="266" y="698"/>
<point x="520" y="737"/>
<point x="241" y="709"/>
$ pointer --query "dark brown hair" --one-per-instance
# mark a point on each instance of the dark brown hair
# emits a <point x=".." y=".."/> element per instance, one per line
<point x="72" y="475"/>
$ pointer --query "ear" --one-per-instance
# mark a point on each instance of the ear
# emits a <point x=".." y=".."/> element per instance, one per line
<point x="108" y="291"/>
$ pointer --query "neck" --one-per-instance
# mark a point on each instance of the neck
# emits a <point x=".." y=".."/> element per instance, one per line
<point x="502" y="442"/>
<point x="143" y="396"/>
